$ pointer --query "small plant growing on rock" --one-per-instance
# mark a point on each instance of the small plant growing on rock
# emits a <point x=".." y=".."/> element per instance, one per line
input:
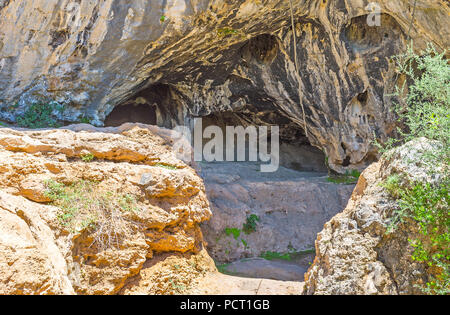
<point x="247" y="228"/>
<point x="274" y="255"/>
<point x="236" y="233"/>
<point x="84" y="205"/>
<point x="348" y="179"/>
<point x="428" y="206"/>
<point x="226" y="31"/>
<point x="87" y="157"/>
<point x="85" y="120"/>
<point x="168" y="167"/>
<point x="250" y="225"/>
<point x="233" y="231"/>
<point x="41" y="115"/>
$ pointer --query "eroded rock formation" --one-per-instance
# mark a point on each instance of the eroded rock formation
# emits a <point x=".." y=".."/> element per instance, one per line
<point x="187" y="58"/>
<point x="355" y="252"/>
<point x="144" y="205"/>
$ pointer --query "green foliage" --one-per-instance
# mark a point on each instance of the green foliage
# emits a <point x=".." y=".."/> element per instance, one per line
<point x="233" y="231"/>
<point x="89" y="157"/>
<point x="163" y="18"/>
<point x="292" y="254"/>
<point x="425" y="96"/>
<point x="428" y="206"/>
<point x="274" y="255"/>
<point x="41" y="115"/>
<point x="426" y="99"/>
<point x="222" y="268"/>
<point x="226" y="31"/>
<point x="250" y="225"/>
<point x="392" y="184"/>
<point x="85" y="120"/>
<point x="169" y="167"/>
<point x="236" y="233"/>
<point x="347" y="179"/>
<point x="126" y="202"/>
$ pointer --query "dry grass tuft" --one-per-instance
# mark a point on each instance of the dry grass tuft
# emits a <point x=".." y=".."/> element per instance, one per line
<point x="86" y="206"/>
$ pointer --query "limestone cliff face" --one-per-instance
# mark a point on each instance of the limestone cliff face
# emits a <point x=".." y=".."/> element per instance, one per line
<point x="138" y="211"/>
<point x="198" y="57"/>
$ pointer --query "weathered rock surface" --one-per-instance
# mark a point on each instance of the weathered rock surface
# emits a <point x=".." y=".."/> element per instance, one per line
<point x="354" y="254"/>
<point x="41" y="254"/>
<point x="267" y="269"/>
<point x="30" y="260"/>
<point x="292" y="208"/>
<point x="199" y="57"/>
<point x="220" y="284"/>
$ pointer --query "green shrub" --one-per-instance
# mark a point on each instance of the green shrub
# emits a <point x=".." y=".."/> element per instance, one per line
<point x="428" y="206"/>
<point x="233" y="231"/>
<point x="250" y="224"/>
<point x="248" y="227"/>
<point x="40" y="115"/>
<point x="428" y="95"/>
<point x="425" y="96"/>
<point x="424" y="113"/>
<point x="89" y="157"/>
<point x="85" y="120"/>
<point x="236" y="233"/>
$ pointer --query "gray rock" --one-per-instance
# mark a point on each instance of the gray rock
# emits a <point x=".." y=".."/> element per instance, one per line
<point x="215" y="56"/>
<point x="266" y="269"/>
<point x="146" y="179"/>
<point x="291" y="206"/>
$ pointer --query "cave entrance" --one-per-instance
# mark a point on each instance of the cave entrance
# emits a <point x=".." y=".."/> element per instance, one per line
<point x="161" y="105"/>
<point x="295" y="151"/>
<point x="158" y="104"/>
<point x="133" y="112"/>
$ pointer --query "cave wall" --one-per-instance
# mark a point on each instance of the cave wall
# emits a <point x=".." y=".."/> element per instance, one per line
<point x="217" y="55"/>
